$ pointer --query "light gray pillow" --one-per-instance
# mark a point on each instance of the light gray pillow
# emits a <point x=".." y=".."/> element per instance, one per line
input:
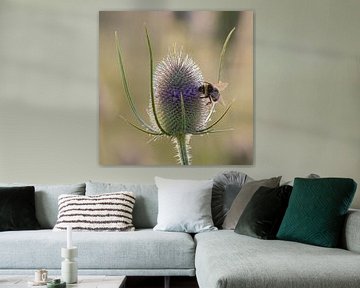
<point x="243" y="198"/>
<point x="184" y="205"/>
<point x="46" y="200"/>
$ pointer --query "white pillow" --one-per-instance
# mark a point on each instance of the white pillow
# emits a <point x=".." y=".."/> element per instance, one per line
<point x="184" y="205"/>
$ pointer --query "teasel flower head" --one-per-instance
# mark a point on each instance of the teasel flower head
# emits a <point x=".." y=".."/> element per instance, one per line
<point x="177" y="108"/>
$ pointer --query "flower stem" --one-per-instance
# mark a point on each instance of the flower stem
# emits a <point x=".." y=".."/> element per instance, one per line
<point x="182" y="145"/>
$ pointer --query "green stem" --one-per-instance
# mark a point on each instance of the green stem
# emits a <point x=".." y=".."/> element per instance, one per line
<point x="182" y="145"/>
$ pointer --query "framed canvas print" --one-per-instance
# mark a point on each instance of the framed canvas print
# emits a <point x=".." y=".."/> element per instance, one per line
<point x="176" y="88"/>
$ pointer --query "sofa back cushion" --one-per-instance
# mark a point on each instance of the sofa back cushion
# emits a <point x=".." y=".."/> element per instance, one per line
<point x="146" y="204"/>
<point x="46" y="200"/>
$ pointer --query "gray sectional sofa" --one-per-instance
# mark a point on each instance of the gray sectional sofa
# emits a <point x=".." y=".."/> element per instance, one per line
<point x="218" y="259"/>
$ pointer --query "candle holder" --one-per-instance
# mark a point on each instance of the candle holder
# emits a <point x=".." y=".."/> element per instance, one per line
<point x="68" y="265"/>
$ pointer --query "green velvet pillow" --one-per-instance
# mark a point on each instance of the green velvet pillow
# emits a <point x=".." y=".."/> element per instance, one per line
<point x="17" y="208"/>
<point x="316" y="211"/>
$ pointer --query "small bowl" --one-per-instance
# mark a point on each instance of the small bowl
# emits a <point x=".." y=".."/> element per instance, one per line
<point x="56" y="283"/>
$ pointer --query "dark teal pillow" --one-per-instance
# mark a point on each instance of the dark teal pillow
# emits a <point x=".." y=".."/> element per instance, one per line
<point x="316" y="211"/>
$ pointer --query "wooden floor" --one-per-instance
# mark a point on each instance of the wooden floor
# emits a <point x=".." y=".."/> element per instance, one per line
<point x="158" y="282"/>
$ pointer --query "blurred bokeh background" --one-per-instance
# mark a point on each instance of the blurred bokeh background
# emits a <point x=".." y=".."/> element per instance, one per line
<point x="201" y="34"/>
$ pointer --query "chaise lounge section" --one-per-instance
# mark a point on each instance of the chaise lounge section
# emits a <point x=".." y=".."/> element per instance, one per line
<point x="226" y="259"/>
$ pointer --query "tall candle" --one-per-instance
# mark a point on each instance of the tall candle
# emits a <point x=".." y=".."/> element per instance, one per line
<point x="69" y="237"/>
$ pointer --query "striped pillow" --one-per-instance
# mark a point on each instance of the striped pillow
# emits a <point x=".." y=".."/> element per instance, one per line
<point x="105" y="212"/>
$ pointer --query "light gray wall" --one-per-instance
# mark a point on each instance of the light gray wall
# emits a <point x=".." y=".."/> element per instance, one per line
<point x="307" y="90"/>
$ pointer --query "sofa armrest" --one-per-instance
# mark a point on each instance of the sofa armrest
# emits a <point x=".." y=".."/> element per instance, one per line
<point x="351" y="233"/>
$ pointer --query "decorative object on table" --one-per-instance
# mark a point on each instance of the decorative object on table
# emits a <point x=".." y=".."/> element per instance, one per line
<point x="40" y="278"/>
<point x="186" y="97"/>
<point x="69" y="269"/>
<point x="41" y="275"/>
<point x="56" y="283"/>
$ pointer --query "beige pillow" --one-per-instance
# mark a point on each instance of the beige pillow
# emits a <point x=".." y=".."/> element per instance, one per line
<point x="243" y="198"/>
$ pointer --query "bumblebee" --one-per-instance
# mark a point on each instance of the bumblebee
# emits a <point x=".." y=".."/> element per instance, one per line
<point x="211" y="91"/>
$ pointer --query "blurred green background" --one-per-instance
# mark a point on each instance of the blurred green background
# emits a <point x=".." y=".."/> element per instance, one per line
<point x="201" y="35"/>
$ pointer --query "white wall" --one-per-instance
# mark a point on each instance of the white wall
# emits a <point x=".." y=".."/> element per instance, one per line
<point x="307" y="90"/>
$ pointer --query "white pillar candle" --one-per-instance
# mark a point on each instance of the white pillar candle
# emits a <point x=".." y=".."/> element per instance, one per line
<point x="69" y="237"/>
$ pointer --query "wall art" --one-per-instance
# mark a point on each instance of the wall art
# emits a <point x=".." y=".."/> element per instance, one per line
<point x="176" y="88"/>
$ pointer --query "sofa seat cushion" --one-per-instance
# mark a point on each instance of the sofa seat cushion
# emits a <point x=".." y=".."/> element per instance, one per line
<point x="142" y="249"/>
<point x="226" y="259"/>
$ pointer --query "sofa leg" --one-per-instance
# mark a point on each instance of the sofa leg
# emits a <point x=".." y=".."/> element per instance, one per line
<point x="167" y="282"/>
